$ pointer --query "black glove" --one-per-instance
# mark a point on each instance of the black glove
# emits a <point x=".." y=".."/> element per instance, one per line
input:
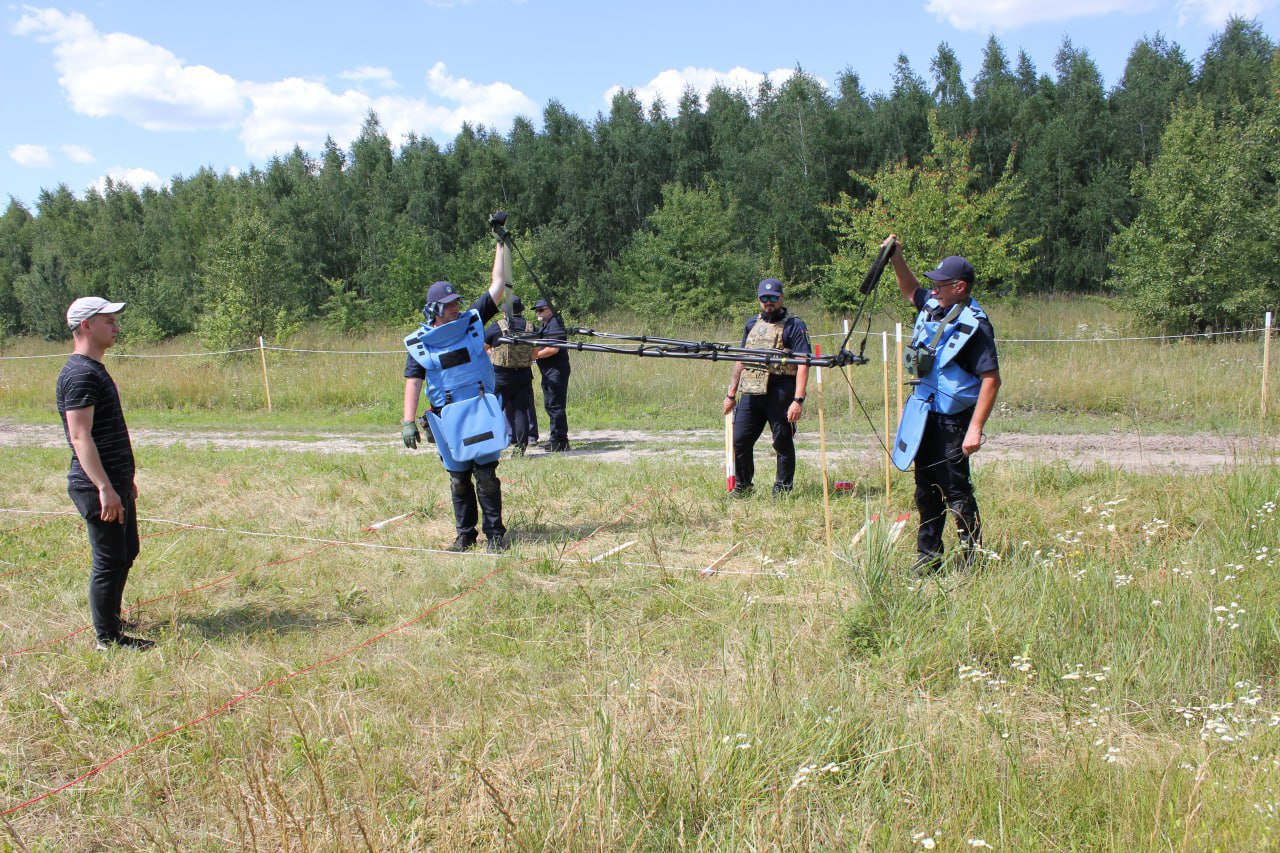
<point x="498" y="225"/>
<point x="409" y="434"/>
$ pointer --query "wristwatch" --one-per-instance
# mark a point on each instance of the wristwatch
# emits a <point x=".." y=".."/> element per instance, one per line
<point x="799" y="400"/>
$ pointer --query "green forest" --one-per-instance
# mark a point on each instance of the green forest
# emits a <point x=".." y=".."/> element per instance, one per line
<point x="1163" y="191"/>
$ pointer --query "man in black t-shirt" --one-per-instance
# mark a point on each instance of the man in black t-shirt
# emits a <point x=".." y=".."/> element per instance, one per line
<point x="101" y="479"/>
<point x="943" y="485"/>
<point x="553" y="362"/>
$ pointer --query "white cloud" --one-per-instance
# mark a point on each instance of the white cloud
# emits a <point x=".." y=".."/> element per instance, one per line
<point x="1005" y="15"/>
<point x="136" y="178"/>
<point x="303" y="112"/>
<point x="371" y="74"/>
<point x="123" y="76"/>
<point x="78" y="154"/>
<point x="491" y="104"/>
<point x="31" y="156"/>
<point x="670" y="84"/>
<point x="1215" y="13"/>
<point x="116" y="74"/>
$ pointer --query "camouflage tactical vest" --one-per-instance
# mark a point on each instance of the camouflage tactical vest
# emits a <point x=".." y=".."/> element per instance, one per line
<point x="755" y="378"/>
<point x="510" y="355"/>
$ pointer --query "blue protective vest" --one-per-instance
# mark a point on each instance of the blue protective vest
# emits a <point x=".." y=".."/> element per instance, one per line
<point x="948" y="387"/>
<point x="453" y="355"/>
<point x="470" y="427"/>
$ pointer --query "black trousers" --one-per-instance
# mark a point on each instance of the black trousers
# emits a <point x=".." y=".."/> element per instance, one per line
<point x="555" y="393"/>
<point x="517" y="402"/>
<point x="487" y="491"/>
<point x="943" y="486"/>
<point x="114" y="546"/>
<point x="752" y="413"/>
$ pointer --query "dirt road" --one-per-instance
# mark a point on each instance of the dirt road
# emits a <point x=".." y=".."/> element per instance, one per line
<point x="1190" y="454"/>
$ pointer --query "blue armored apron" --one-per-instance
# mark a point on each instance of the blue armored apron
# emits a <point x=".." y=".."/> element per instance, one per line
<point x="470" y="427"/>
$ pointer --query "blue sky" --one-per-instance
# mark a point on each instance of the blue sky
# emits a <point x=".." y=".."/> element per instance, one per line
<point x="143" y="91"/>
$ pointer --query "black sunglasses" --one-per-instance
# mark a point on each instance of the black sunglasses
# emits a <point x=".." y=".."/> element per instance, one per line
<point x="768" y="298"/>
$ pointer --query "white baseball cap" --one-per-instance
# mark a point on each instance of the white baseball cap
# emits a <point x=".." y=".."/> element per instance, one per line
<point x="89" y="306"/>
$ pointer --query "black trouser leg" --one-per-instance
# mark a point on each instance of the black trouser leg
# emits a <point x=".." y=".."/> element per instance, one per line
<point x="555" y="393"/>
<point x="784" y="444"/>
<point x="464" y="503"/>
<point x="489" y="492"/>
<point x="517" y="400"/>
<point x="114" y="546"/>
<point x="749" y="419"/>
<point x="943" y="485"/>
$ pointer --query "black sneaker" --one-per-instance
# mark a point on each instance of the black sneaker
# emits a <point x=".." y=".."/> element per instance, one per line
<point x="124" y="641"/>
<point x="781" y="492"/>
<point x="741" y="492"/>
<point x="559" y="446"/>
<point x="496" y="544"/>
<point x="462" y="543"/>
<point x="926" y="564"/>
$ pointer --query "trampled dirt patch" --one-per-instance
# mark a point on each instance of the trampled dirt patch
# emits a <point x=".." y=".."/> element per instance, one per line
<point x="1195" y="453"/>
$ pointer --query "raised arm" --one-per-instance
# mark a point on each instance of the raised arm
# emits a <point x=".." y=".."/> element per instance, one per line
<point x="501" y="273"/>
<point x="908" y="284"/>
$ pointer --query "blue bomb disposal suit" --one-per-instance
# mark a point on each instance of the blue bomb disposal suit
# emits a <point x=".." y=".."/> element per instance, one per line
<point x="956" y="376"/>
<point x="772" y="394"/>
<point x="465" y="414"/>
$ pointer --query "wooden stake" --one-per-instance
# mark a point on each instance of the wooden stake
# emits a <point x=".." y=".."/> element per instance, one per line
<point x="822" y="453"/>
<point x="266" y="380"/>
<point x="719" y="561"/>
<point x="888" y="439"/>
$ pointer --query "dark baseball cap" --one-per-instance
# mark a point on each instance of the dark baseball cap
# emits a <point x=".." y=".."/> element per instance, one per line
<point x="442" y="292"/>
<point x="516" y="304"/>
<point x="541" y="303"/>
<point x="769" y="287"/>
<point x="951" y="268"/>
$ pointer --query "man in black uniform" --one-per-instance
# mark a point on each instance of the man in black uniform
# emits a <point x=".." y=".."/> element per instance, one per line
<point x="967" y="386"/>
<point x="553" y="362"/>
<point x="101" y="479"/>
<point x="772" y="394"/>
<point x="513" y="373"/>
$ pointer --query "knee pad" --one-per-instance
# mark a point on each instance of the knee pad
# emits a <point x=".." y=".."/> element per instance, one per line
<point x="460" y="483"/>
<point x="487" y="479"/>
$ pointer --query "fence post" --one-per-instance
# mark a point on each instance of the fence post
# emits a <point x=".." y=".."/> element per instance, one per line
<point x="266" y="381"/>
<point x="1266" y="368"/>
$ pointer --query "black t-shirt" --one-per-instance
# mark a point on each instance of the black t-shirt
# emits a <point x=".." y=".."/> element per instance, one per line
<point x="486" y="308"/>
<point x="554" y="330"/>
<point x="978" y="355"/>
<point x="82" y="383"/>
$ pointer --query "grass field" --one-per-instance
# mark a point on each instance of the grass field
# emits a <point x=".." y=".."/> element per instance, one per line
<point x="1106" y="681"/>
